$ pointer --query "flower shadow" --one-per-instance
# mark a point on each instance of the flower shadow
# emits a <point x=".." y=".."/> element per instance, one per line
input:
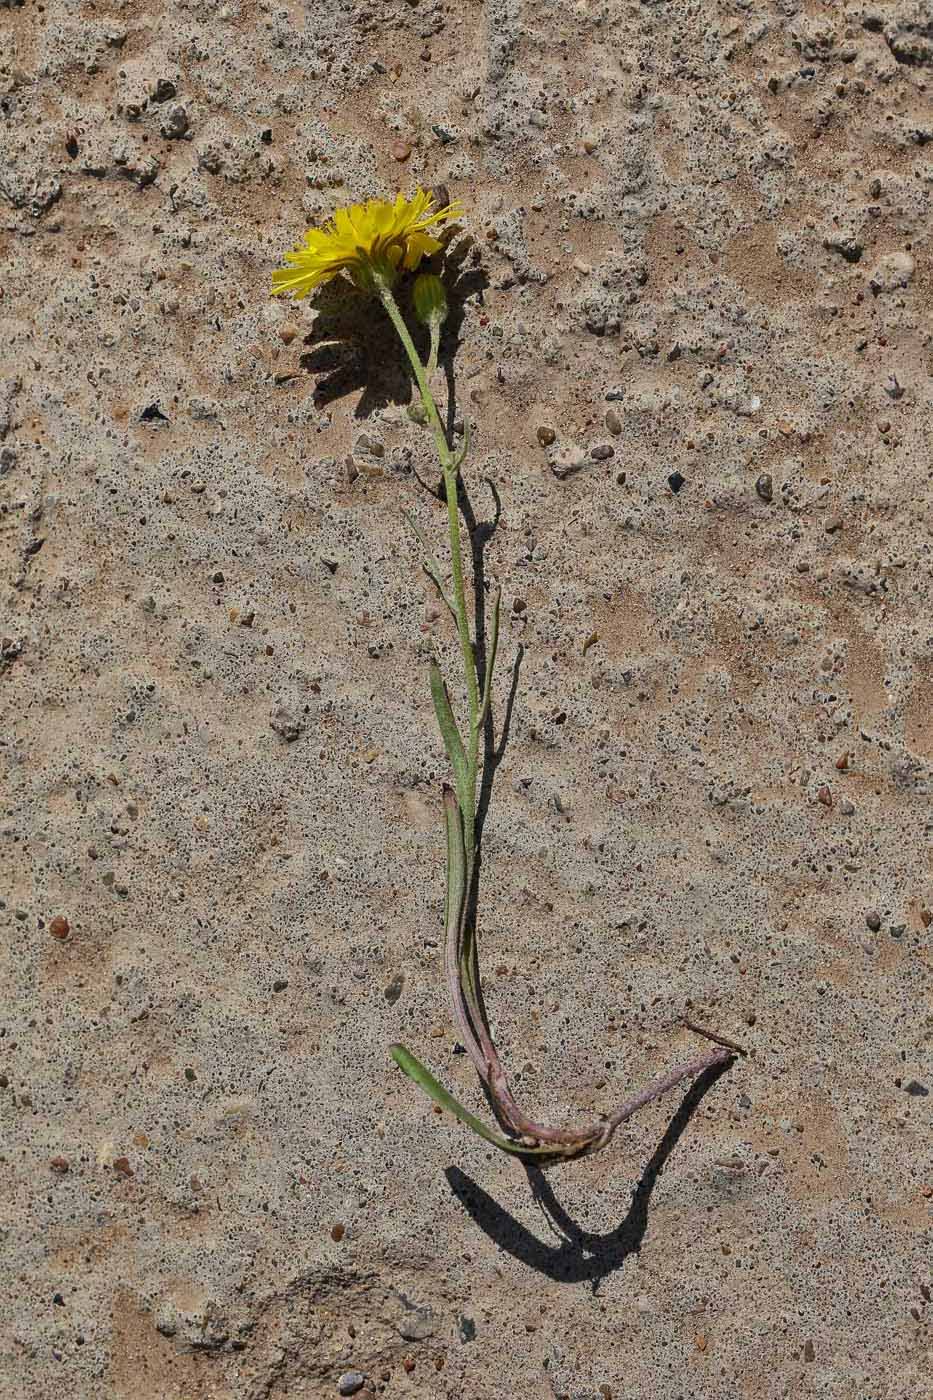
<point x="352" y="346"/>
<point x="578" y="1255"/>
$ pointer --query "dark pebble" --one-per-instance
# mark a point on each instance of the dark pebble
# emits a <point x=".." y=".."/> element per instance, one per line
<point x="873" y="920"/>
<point x="675" y="481"/>
<point x="350" y="1382"/>
<point x="765" y="487"/>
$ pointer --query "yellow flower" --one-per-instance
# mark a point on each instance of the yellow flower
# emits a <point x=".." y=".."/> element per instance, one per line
<point x="375" y="237"/>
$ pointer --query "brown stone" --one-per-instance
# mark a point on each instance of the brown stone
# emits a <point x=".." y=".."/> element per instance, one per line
<point x="61" y="1165"/>
<point x="60" y="927"/>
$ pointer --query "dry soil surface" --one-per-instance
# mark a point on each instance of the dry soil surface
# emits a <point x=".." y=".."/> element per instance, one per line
<point x="692" y="335"/>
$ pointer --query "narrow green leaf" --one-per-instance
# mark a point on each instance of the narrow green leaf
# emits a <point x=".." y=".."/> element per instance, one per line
<point x="449" y="731"/>
<point x="426" y="1081"/>
<point x="431" y="566"/>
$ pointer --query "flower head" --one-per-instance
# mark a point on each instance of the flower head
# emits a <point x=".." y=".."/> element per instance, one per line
<point x="377" y="237"/>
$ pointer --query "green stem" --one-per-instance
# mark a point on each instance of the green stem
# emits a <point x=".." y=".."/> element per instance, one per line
<point x="449" y="466"/>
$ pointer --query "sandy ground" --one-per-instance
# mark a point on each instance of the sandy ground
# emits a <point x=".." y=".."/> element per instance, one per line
<point x="702" y="264"/>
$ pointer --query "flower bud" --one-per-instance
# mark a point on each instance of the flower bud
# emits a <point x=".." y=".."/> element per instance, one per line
<point x="430" y="300"/>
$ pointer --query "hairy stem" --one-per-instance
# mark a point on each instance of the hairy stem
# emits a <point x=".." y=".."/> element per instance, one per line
<point x="450" y="468"/>
<point x="529" y="1138"/>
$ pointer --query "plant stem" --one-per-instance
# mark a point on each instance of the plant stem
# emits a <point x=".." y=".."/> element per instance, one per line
<point x="449" y="467"/>
<point x="531" y="1139"/>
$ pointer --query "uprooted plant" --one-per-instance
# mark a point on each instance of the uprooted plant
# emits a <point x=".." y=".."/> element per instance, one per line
<point x="375" y="243"/>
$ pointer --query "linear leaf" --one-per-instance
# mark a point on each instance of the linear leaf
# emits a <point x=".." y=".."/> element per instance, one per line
<point x="449" y="731"/>
<point x="426" y="1081"/>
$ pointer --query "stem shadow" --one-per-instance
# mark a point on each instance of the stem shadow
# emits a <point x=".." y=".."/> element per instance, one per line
<point x="579" y="1256"/>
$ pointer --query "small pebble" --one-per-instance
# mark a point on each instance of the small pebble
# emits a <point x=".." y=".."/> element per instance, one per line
<point x="176" y="123"/>
<point x="892" y="271"/>
<point x="59" y="927"/>
<point x="568" y="462"/>
<point x="846" y="808"/>
<point x="122" y="1165"/>
<point x="367" y="443"/>
<point x="873" y="920"/>
<point x="287" y="332"/>
<point x="285" y="724"/>
<point x="842" y="762"/>
<point x="809" y="1352"/>
<point x="602" y="451"/>
<point x="675" y="481"/>
<point x="546" y="436"/>
<point x="400" y="151"/>
<point x="825" y="796"/>
<point x="833" y="525"/>
<point x="613" y="422"/>
<point x="350" y="1382"/>
<point x="61" y="1165"/>
<point x="765" y="487"/>
<point x="337" y="1232"/>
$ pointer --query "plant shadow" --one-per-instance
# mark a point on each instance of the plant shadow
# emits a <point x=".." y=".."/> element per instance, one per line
<point x="579" y="1255"/>
<point x="349" y="349"/>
